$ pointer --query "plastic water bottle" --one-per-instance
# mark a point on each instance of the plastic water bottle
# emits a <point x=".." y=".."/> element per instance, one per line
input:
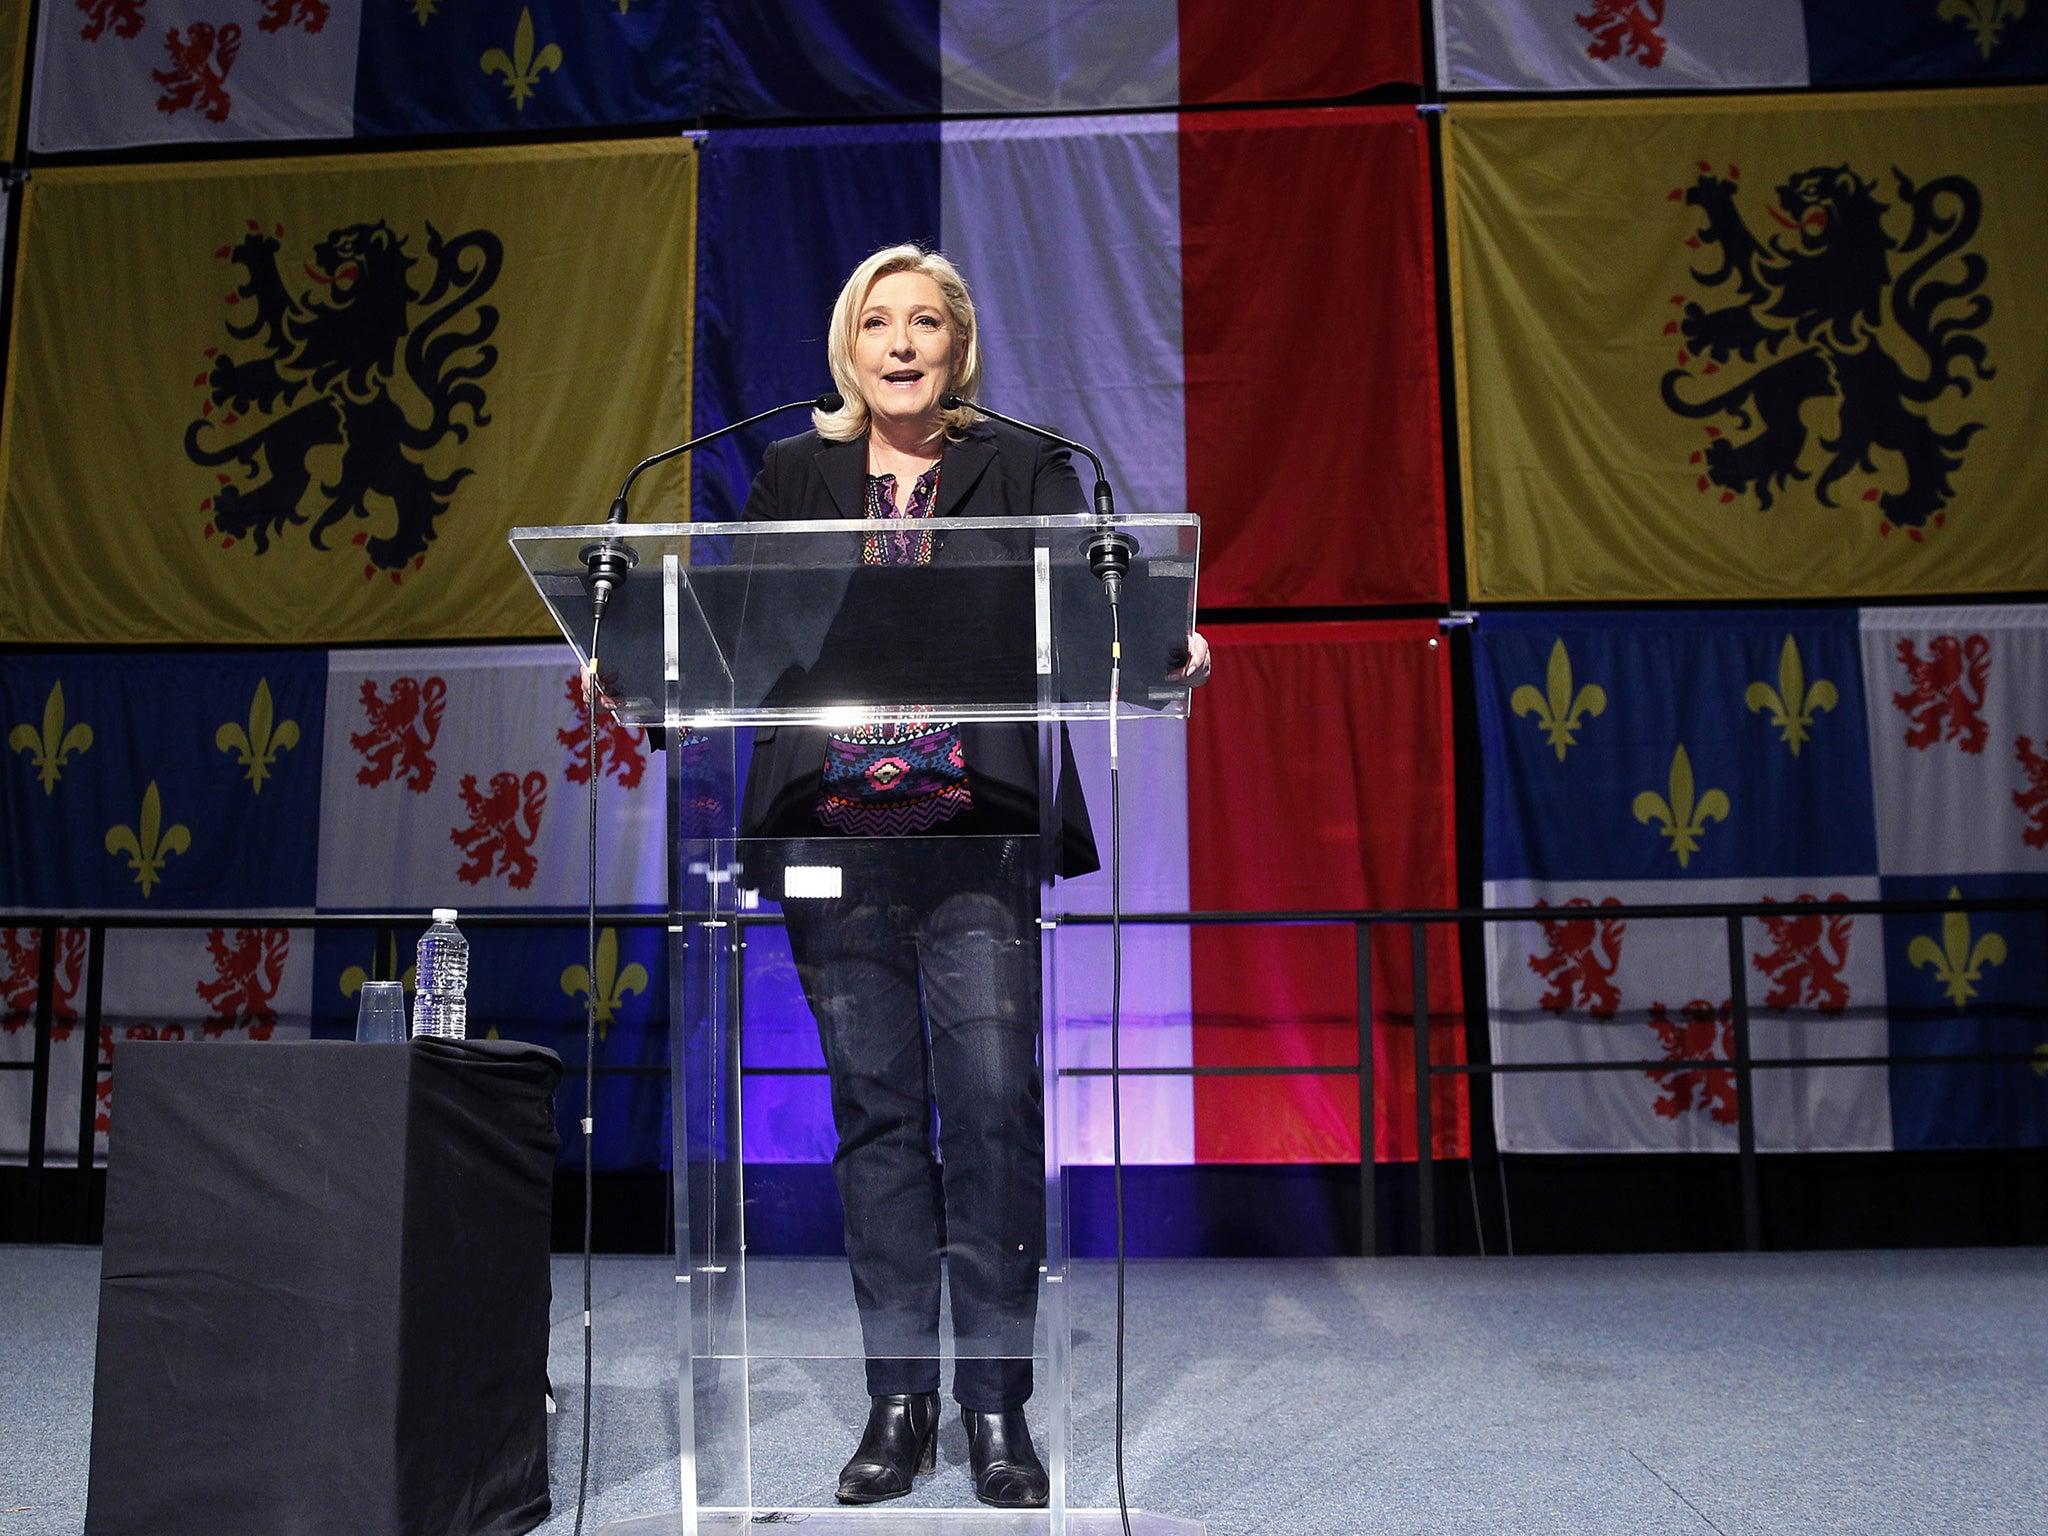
<point x="439" y="1006"/>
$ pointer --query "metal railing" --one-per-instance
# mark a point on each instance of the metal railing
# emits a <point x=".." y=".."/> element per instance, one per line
<point x="91" y="1012"/>
<point x="1741" y="1061"/>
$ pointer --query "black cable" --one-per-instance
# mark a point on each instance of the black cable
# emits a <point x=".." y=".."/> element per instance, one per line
<point x="590" y="692"/>
<point x="1116" y="1004"/>
<point x="1478" y="1226"/>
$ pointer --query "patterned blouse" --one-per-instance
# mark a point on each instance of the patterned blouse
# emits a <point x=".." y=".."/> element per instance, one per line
<point x="894" y="777"/>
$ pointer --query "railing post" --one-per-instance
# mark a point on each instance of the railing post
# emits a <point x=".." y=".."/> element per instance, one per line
<point x="1368" y="1121"/>
<point x="39" y="1077"/>
<point x="1425" y="1138"/>
<point x="1745" y="1079"/>
<point x="89" y="1071"/>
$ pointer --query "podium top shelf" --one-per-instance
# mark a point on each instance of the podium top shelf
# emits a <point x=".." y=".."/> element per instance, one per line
<point x="842" y="622"/>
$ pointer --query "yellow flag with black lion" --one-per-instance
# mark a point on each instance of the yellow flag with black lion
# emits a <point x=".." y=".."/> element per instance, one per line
<point x="305" y="400"/>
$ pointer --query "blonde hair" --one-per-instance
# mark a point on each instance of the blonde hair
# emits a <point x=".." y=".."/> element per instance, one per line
<point x="850" y="421"/>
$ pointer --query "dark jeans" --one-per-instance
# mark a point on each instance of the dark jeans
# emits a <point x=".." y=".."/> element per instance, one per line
<point x="924" y="977"/>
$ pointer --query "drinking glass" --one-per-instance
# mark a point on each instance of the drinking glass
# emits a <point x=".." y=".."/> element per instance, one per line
<point x="380" y="1013"/>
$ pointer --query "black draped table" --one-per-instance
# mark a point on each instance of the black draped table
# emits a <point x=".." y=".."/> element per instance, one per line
<point x="324" y="1291"/>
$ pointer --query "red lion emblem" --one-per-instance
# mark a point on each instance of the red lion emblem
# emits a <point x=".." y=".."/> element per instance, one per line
<point x="198" y="76"/>
<point x="502" y="826"/>
<point x="620" y="748"/>
<point x="246" y="977"/>
<point x="403" y="729"/>
<point x="1804" y="963"/>
<point x="21" y="959"/>
<point x="1703" y="1033"/>
<point x="1625" y="29"/>
<point x="124" y="16"/>
<point x="1947" y="696"/>
<point x="1579" y="969"/>
<point x="279" y="14"/>
<point x="2033" y="800"/>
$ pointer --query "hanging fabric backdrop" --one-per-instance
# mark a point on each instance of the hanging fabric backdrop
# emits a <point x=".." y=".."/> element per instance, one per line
<point x="911" y="57"/>
<point x="1319" y="776"/>
<point x="288" y="782"/>
<point x="1767" y="756"/>
<point x="13" y="45"/>
<point x="335" y="387"/>
<point x="1153" y="338"/>
<point x="1776" y="347"/>
<point x="110" y="74"/>
<point x="1628" y="45"/>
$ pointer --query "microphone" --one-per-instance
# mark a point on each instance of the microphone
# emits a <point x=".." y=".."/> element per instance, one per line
<point x="609" y="561"/>
<point x="1108" y="550"/>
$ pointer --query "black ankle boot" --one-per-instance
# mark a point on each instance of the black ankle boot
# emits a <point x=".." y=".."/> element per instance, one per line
<point x="901" y="1440"/>
<point x="1007" y="1471"/>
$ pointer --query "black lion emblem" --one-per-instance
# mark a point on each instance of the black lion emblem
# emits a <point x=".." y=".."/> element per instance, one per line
<point x="1808" y="323"/>
<point x="338" y="345"/>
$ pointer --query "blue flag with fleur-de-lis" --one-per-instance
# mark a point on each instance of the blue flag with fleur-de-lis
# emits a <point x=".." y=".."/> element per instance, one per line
<point x="1767" y="756"/>
<point x="113" y="73"/>
<point x="1854" y="42"/>
<point x="1683" y="748"/>
<point x="1965" y="984"/>
<point x="161" y="780"/>
<point x="1646" y="758"/>
<point x="432" y="66"/>
<point x="533" y="984"/>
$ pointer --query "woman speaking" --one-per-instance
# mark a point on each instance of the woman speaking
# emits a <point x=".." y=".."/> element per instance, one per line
<point x="922" y="966"/>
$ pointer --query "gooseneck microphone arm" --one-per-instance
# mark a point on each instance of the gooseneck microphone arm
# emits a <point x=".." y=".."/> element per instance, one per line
<point x="1105" y="500"/>
<point x="831" y="400"/>
<point x="1109" y="550"/>
<point x="608" y="562"/>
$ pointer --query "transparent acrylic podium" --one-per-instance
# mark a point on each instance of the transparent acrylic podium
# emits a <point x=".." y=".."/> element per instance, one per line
<point x="893" y="649"/>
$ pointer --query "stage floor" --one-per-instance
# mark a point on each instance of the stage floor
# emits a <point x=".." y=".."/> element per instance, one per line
<point x="1749" y="1395"/>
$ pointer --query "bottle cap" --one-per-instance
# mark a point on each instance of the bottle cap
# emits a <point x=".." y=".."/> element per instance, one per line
<point x="444" y="914"/>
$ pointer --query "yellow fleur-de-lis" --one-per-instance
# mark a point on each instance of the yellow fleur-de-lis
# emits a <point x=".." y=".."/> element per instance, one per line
<point x="1985" y="18"/>
<point x="1792" y="703"/>
<point x="1684" y="818"/>
<point x="49" y="747"/>
<point x="1558" y="709"/>
<point x="609" y="994"/>
<point x="2041" y="1061"/>
<point x="353" y="977"/>
<point x="1957" y="963"/>
<point x="423" y="10"/>
<point x="259" y="743"/>
<point x="522" y="71"/>
<point x="385" y="959"/>
<point x="148" y="847"/>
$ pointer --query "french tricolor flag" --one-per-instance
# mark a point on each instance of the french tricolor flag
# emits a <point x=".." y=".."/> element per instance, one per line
<point x="902" y="58"/>
<point x="1236" y="308"/>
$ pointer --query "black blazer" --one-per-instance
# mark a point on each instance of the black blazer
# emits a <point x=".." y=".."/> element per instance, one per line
<point x="992" y="471"/>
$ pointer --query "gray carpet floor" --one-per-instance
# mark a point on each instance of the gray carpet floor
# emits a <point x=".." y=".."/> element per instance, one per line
<point x="1880" y="1394"/>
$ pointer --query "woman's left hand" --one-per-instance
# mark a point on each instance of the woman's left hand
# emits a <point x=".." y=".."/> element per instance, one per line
<point x="1196" y="672"/>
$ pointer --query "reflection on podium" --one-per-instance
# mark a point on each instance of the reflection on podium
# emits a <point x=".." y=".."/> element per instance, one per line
<point x="923" y="947"/>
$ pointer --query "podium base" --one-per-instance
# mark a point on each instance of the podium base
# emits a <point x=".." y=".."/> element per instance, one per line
<point x="914" y="1522"/>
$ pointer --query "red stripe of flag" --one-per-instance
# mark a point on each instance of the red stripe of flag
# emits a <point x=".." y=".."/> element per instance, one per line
<point x="1308" y="309"/>
<point x="1319" y="777"/>
<point x="1309" y="51"/>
